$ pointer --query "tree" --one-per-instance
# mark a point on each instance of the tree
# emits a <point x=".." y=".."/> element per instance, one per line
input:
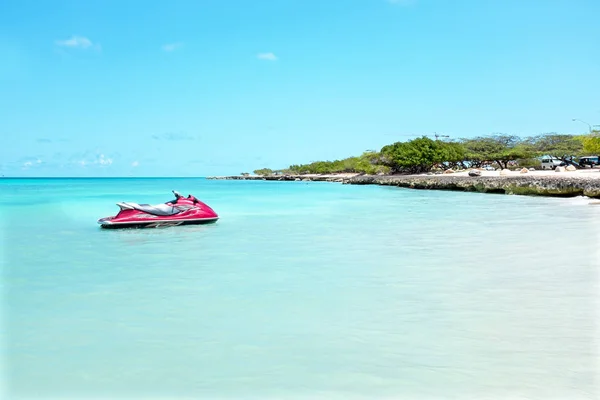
<point x="591" y="143"/>
<point x="418" y="155"/>
<point x="498" y="148"/>
<point x="422" y="154"/>
<point x="367" y="163"/>
<point x="557" y="145"/>
<point x="263" y="171"/>
<point x="453" y="154"/>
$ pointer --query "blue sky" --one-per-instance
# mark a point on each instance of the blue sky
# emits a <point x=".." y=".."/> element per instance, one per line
<point x="205" y="87"/>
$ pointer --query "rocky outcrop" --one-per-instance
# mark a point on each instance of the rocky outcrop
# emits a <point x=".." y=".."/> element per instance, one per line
<point x="561" y="186"/>
<point x="305" y="178"/>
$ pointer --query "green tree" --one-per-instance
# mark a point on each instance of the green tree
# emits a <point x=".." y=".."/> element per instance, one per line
<point x="421" y="154"/>
<point x="591" y="143"/>
<point x="367" y="163"/>
<point x="263" y="171"/>
<point x="557" y="145"/>
<point x="498" y="148"/>
<point x="418" y="155"/>
<point x="453" y="154"/>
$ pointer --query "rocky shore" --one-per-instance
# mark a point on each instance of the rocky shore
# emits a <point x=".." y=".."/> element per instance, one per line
<point x="307" y="178"/>
<point x="559" y="184"/>
<point x="522" y="185"/>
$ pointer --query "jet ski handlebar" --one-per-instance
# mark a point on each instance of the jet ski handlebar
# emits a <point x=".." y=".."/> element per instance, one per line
<point x="179" y="196"/>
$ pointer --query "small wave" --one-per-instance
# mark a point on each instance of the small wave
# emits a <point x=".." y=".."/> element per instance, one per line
<point x="580" y="200"/>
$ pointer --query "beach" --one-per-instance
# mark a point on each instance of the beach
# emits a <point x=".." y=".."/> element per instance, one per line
<point x="303" y="200"/>
<point x="579" y="174"/>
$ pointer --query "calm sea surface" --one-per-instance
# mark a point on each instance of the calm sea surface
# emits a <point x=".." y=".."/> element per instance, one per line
<point x="300" y="290"/>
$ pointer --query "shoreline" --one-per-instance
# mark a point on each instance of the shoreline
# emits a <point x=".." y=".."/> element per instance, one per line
<point x="533" y="183"/>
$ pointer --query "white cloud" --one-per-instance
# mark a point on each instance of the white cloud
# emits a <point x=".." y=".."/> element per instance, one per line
<point x="135" y="164"/>
<point x="171" y="46"/>
<point x="78" y="42"/>
<point x="99" y="160"/>
<point x="104" y="160"/>
<point x="267" y="56"/>
<point x="32" y="162"/>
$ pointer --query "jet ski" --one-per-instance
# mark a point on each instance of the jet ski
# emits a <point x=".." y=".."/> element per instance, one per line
<point x="181" y="211"/>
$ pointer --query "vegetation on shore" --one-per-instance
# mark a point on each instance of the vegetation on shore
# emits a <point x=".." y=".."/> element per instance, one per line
<point x="424" y="154"/>
<point x="591" y="143"/>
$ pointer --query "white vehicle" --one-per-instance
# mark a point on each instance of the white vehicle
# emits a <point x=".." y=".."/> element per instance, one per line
<point x="551" y="163"/>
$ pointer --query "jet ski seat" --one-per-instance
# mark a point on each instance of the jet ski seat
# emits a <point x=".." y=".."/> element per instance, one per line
<point x="158" y="209"/>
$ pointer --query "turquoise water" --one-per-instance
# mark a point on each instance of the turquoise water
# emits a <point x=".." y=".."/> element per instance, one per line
<point x="300" y="290"/>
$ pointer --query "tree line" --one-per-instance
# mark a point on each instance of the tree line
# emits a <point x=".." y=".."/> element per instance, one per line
<point x="423" y="154"/>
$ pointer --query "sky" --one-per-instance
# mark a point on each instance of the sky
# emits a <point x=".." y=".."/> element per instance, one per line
<point x="213" y="87"/>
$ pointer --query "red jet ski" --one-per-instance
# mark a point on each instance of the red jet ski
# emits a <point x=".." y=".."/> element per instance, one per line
<point x="181" y="211"/>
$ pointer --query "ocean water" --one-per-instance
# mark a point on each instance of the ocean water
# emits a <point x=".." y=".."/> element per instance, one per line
<point x="300" y="290"/>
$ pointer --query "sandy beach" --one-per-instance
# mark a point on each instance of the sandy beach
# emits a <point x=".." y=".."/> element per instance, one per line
<point x="580" y="173"/>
